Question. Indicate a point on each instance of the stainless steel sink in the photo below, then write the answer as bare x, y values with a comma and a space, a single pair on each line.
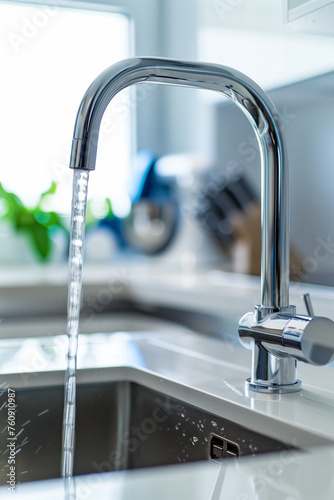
146, 399
121, 425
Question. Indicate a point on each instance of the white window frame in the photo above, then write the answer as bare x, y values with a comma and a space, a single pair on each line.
158, 29
145, 35
308, 6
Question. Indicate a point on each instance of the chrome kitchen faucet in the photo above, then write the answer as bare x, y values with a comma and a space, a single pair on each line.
277, 336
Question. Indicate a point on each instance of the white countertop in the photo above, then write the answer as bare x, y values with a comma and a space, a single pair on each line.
275, 477
217, 370
213, 291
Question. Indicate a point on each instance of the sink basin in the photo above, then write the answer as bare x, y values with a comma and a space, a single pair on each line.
122, 425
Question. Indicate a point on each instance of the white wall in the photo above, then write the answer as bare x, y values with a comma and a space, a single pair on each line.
307, 110
252, 37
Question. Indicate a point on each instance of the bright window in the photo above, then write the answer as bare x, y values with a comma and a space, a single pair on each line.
50, 55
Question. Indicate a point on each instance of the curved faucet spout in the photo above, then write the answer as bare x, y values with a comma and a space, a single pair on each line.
261, 113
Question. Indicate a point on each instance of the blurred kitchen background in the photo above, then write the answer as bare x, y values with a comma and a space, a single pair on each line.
177, 182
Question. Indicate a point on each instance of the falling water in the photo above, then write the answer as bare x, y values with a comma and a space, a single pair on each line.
78, 219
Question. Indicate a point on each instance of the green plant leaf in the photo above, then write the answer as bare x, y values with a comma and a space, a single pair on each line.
41, 241
13, 203
51, 190
35, 222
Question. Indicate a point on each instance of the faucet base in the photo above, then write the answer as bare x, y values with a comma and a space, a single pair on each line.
272, 388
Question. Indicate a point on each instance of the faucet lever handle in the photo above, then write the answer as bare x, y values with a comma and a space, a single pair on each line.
308, 304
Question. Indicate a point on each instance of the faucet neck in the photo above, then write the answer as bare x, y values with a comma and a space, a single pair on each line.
262, 115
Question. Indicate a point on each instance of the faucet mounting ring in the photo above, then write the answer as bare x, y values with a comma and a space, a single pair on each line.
272, 389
